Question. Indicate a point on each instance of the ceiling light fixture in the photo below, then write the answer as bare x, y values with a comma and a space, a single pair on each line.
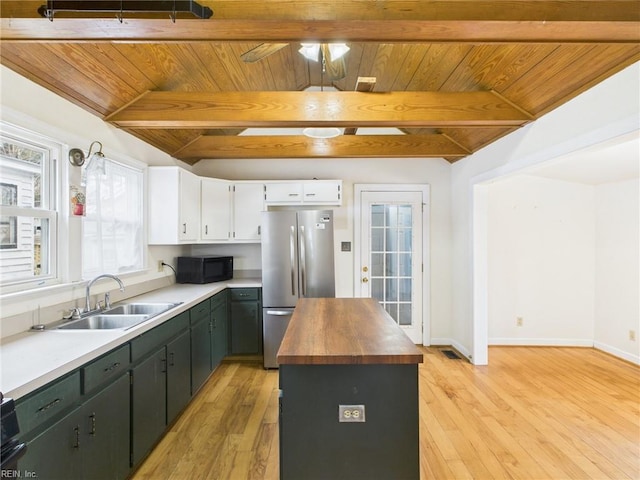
119, 7
321, 132
311, 51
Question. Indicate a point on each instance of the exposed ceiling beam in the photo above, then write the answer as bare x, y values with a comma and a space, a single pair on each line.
404, 31
292, 146
315, 109
549, 10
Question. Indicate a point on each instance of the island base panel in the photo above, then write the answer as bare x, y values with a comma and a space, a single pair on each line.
315, 445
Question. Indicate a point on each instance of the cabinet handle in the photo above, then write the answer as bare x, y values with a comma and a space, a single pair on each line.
294, 194
93, 423
206, 229
310, 194
171, 362
112, 367
164, 365
259, 229
77, 432
184, 228
49, 405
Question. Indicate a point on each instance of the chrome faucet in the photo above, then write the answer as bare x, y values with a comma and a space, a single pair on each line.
106, 295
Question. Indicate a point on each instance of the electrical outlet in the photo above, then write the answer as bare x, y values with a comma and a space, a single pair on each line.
632, 335
160, 266
519, 321
351, 413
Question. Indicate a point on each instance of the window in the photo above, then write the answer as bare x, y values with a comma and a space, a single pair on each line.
28, 208
113, 232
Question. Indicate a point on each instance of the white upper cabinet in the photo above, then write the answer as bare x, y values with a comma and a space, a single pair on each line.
215, 210
187, 209
311, 192
174, 206
248, 202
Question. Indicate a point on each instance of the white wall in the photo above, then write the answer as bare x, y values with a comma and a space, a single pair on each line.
617, 268
435, 172
608, 110
541, 257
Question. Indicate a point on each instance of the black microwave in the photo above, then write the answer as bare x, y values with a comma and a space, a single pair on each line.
204, 269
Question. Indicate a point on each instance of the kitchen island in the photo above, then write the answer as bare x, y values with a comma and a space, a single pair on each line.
349, 393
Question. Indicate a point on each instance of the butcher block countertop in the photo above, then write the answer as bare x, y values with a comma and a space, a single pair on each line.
344, 331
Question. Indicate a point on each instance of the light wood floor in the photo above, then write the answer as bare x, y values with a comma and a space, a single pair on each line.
533, 413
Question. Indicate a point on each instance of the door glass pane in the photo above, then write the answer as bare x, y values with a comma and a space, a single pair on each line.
404, 290
377, 239
377, 215
377, 265
391, 264
404, 316
404, 264
377, 289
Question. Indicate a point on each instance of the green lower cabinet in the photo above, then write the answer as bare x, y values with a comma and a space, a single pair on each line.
91, 442
219, 334
105, 432
55, 453
148, 403
178, 375
246, 321
200, 353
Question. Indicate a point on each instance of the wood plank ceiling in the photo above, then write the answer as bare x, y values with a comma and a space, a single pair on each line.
452, 75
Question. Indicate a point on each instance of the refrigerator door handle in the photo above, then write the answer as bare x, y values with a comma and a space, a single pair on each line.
292, 251
279, 313
303, 266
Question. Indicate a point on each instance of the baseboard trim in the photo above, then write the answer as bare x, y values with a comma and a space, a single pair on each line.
616, 352
541, 342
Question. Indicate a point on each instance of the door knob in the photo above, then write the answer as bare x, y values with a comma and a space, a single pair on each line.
365, 269
365, 280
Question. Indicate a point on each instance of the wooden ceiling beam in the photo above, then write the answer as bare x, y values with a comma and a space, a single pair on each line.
294, 146
400, 31
318, 109
549, 10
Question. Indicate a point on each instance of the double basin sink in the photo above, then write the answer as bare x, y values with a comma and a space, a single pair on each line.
123, 316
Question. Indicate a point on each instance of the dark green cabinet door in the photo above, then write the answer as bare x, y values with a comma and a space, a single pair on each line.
178, 375
220, 337
104, 433
55, 453
246, 328
148, 403
200, 353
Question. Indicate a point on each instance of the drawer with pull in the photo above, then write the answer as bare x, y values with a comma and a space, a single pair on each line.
105, 368
44, 404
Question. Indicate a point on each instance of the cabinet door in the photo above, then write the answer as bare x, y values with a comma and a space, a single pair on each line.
246, 328
178, 375
320, 193
104, 429
284, 193
189, 222
200, 353
220, 319
148, 403
215, 209
55, 453
248, 202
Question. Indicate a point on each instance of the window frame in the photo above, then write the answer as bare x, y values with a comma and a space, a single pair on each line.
49, 208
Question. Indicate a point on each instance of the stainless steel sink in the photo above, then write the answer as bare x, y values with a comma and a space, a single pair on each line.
102, 321
140, 308
125, 315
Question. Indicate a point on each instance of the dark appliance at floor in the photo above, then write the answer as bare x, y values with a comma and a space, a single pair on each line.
12, 448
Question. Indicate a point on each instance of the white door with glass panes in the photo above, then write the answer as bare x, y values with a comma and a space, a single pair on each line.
391, 253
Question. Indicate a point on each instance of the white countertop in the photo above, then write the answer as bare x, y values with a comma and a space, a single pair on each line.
32, 359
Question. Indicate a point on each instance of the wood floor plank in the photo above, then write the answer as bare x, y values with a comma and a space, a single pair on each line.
532, 413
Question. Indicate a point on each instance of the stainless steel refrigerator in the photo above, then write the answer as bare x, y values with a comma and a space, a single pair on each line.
297, 261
